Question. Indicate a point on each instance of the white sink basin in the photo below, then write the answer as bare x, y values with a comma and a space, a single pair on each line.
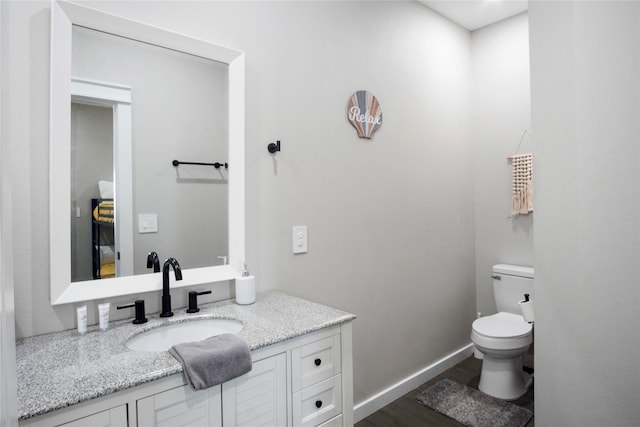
164, 337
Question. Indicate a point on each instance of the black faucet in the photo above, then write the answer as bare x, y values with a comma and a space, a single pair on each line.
153, 261
166, 297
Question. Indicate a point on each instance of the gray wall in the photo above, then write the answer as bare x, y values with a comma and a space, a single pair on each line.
8, 404
585, 63
501, 113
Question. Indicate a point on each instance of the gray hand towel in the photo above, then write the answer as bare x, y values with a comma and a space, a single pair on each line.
214, 360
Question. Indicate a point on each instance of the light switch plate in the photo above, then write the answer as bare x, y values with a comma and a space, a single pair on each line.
147, 223
300, 239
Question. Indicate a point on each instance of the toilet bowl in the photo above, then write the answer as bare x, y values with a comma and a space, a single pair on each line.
503, 338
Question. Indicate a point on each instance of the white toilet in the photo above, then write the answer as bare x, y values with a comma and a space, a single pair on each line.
503, 338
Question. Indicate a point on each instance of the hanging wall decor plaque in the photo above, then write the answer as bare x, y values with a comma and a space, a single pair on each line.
364, 113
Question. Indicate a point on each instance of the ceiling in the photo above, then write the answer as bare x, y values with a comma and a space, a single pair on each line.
474, 14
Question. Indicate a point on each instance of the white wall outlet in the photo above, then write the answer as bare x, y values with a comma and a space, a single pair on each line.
147, 223
300, 239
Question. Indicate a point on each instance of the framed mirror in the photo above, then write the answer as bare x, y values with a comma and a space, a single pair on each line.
129, 238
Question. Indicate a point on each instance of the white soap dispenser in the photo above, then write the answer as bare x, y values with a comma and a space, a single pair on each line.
245, 287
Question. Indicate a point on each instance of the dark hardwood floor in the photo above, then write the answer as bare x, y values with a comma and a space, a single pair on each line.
405, 411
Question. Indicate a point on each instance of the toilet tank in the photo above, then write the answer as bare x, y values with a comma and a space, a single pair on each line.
510, 283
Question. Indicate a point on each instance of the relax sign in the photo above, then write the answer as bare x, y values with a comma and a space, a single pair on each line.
364, 113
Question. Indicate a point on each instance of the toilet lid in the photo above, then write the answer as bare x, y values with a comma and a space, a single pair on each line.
502, 325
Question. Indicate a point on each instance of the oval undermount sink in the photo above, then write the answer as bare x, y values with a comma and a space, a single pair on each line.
164, 337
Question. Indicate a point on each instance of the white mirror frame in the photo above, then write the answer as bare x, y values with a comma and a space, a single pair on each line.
63, 291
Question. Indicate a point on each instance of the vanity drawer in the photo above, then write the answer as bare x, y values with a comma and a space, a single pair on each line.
315, 362
333, 422
319, 403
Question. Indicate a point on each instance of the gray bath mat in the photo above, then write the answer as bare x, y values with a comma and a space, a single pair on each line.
471, 407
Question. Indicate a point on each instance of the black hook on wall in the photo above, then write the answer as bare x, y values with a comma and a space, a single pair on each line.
273, 147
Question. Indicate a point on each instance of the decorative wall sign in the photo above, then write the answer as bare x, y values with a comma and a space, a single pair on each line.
364, 113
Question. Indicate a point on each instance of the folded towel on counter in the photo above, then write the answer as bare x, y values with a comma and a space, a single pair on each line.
214, 360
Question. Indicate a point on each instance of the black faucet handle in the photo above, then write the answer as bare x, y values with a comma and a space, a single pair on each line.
140, 315
193, 300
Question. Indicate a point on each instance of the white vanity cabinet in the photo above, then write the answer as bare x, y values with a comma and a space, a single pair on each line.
304, 381
181, 406
258, 398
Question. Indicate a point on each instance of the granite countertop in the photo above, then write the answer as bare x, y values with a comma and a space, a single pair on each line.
64, 368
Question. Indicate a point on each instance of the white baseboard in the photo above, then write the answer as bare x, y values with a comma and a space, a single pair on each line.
378, 401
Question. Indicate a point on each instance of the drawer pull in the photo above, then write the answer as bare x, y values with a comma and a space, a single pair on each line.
317, 362
318, 404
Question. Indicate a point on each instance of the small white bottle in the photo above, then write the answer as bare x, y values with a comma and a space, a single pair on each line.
82, 319
245, 287
103, 311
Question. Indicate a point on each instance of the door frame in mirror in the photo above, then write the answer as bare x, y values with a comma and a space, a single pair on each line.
63, 16
118, 98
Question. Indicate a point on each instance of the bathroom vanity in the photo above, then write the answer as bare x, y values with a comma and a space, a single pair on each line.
301, 376
301, 351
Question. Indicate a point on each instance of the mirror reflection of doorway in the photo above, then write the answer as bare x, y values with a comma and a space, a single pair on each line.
91, 179
100, 180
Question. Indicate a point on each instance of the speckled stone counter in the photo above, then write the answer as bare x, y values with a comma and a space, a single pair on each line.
64, 368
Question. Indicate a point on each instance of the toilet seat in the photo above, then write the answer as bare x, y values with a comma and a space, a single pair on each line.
502, 325
501, 331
